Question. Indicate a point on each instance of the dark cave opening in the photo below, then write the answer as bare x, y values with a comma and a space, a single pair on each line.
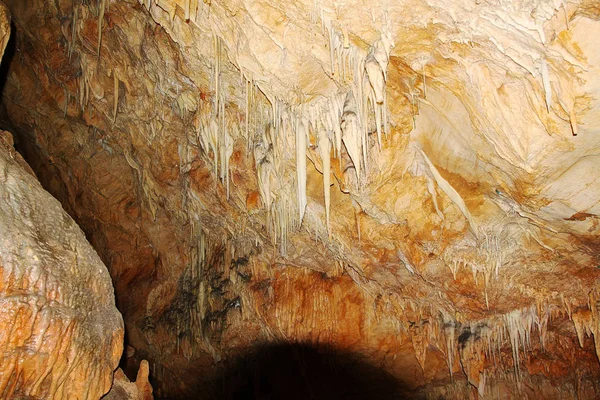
298, 371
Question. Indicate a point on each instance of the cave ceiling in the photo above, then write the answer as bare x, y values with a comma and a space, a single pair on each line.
372, 175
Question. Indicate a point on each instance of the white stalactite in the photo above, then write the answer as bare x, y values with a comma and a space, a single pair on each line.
376, 77
352, 133
301, 137
449, 190
325, 150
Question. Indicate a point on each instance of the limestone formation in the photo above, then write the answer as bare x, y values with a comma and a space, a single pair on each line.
412, 182
123, 389
61, 334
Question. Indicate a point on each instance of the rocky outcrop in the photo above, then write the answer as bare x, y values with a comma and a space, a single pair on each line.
123, 389
411, 182
62, 335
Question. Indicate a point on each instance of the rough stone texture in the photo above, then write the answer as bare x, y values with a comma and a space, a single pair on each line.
62, 335
464, 241
123, 389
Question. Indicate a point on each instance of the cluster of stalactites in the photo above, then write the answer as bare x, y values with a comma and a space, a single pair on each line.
280, 135
191, 8
88, 86
587, 322
273, 126
476, 345
322, 126
341, 119
469, 346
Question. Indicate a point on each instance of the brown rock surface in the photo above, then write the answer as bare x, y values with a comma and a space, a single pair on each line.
61, 333
123, 389
411, 182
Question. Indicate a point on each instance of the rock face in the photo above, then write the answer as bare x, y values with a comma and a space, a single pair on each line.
412, 182
61, 334
123, 389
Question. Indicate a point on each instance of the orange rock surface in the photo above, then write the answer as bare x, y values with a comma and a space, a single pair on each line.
411, 185
61, 335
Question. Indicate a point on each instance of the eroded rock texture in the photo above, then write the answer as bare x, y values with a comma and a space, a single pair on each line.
61, 335
412, 182
123, 389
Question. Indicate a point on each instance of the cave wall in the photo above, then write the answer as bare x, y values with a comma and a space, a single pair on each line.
61, 334
448, 237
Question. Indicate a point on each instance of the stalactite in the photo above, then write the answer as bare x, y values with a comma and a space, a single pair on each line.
449, 190
100, 20
346, 122
421, 333
573, 121
450, 332
368, 74
116, 95
586, 323
376, 77
301, 137
87, 75
357, 212
227, 151
325, 149
217, 73
518, 324
74, 27
376, 65
264, 166
351, 133
335, 114
213, 134
546, 83
186, 9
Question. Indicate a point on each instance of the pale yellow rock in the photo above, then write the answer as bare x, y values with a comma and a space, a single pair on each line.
457, 215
